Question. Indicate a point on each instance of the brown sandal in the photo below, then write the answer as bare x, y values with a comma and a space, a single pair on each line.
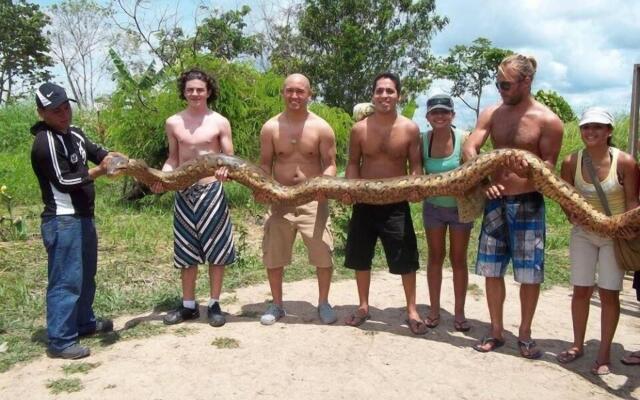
432, 322
417, 326
461, 326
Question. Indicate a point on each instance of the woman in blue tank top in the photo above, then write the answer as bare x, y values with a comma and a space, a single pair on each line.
441, 152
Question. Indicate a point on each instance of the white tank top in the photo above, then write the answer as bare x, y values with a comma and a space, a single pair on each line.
613, 190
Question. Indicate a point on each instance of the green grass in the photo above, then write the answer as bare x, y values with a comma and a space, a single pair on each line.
65, 385
225, 343
79, 368
184, 331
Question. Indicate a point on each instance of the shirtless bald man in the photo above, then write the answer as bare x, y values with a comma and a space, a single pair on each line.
201, 225
296, 145
513, 227
383, 145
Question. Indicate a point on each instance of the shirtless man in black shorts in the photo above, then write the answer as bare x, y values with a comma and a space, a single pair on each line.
380, 146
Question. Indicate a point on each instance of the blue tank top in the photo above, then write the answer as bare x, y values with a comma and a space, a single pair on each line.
435, 165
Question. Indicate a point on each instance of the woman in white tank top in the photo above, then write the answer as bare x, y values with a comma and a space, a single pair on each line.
617, 173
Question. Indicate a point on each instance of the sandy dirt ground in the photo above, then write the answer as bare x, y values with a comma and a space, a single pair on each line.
301, 358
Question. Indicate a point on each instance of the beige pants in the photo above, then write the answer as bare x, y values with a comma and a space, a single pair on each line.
280, 228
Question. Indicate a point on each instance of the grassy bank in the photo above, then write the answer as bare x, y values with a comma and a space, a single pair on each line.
135, 271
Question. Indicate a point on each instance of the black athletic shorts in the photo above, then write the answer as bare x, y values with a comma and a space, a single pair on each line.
393, 225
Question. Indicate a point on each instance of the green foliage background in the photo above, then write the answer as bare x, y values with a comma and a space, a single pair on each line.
556, 103
134, 116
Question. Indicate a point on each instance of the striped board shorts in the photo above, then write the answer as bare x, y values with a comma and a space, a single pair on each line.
201, 226
513, 228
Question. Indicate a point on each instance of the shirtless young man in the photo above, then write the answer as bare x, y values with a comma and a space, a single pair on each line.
202, 228
296, 145
380, 146
513, 226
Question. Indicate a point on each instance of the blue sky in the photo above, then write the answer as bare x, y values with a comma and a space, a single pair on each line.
585, 48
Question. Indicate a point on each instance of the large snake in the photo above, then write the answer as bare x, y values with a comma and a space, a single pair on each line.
465, 183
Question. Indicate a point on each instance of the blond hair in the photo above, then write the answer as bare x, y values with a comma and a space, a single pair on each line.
524, 65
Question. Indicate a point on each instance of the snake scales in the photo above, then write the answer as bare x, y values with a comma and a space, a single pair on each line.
464, 182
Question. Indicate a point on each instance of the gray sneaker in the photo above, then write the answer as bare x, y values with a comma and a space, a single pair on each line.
326, 313
72, 352
273, 313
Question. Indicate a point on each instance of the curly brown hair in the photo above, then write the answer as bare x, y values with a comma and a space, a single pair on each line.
194, 73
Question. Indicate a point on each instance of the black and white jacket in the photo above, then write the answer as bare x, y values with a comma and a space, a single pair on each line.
59, 161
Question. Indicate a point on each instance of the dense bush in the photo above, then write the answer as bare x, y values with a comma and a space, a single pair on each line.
556, 103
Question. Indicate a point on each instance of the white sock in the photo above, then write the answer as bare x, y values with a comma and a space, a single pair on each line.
212, 301
189, 304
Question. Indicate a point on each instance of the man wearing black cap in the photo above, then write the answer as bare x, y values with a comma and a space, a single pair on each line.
59, 159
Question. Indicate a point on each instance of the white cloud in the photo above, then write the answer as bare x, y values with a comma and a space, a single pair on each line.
585, 48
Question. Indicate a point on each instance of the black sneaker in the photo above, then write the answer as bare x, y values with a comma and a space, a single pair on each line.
181, 314
102, 326
73, 352
215, 316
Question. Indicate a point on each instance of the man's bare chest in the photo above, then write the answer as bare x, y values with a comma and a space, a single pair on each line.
515, 133
385, 143
198, 135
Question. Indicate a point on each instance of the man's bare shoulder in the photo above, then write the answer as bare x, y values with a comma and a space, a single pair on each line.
217, 117
318, 122
490, 111
272, 124
360, 126
175, 119
545, 113
406, 122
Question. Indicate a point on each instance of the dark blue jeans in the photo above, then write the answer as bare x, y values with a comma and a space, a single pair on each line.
72, 247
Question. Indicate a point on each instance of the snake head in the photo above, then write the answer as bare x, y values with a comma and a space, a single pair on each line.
362, 110
117, 166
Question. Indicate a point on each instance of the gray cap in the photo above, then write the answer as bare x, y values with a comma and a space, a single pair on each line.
443, 101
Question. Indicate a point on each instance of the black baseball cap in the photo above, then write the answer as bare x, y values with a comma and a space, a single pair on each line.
49, 95
443, 101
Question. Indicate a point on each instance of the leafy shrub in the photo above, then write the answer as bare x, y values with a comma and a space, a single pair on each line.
556, 103
135, 113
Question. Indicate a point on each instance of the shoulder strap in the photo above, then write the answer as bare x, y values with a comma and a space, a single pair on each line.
596, 182
430, 140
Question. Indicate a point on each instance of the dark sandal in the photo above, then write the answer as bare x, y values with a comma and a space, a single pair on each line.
631, 359
416, 326
568, 356
432, 322
357, 318
461, 326
529, 349
488, 340
601, 369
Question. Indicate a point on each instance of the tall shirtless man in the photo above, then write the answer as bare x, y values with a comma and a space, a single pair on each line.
381, 146
296, 145
202, 228
513, 226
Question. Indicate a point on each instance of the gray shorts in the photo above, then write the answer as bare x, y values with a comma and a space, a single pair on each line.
434, 217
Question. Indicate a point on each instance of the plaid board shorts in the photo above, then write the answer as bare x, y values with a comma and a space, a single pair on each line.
513, 228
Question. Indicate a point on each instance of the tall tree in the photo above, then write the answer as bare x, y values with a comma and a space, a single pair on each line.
158, 31
222, 34
80, 34
343, 44
23, 47
471, 68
